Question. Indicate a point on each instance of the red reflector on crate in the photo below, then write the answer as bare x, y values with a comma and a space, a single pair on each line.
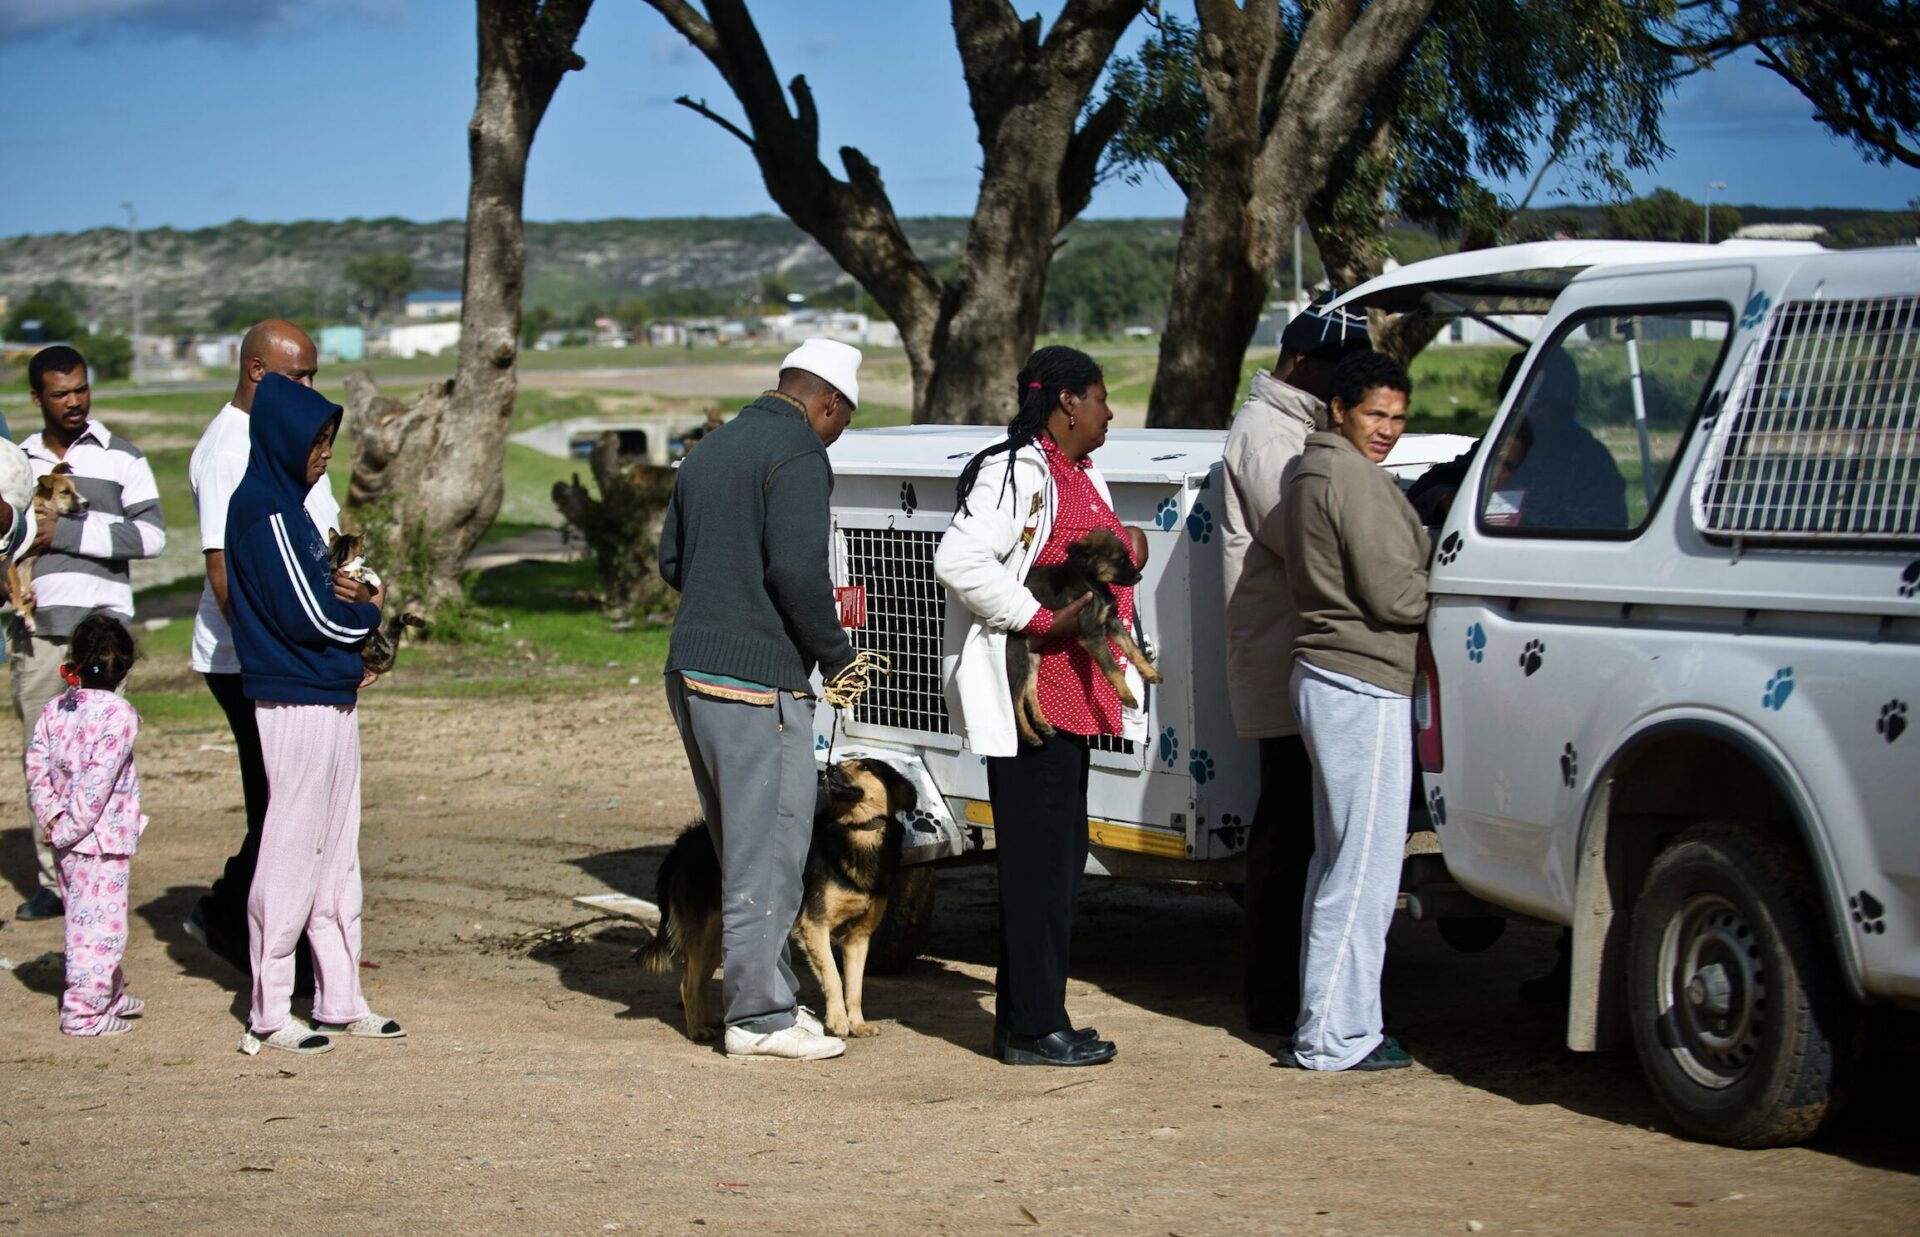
852, 601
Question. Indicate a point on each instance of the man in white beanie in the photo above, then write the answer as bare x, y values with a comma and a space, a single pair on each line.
745, 542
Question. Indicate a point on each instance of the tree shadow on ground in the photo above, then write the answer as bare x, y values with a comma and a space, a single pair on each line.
166, 915
18, 864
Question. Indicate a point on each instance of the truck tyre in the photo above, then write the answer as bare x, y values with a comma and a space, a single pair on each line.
1470, 936
909, 916
1740, 1016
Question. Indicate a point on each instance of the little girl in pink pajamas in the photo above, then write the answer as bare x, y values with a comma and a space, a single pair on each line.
85, 797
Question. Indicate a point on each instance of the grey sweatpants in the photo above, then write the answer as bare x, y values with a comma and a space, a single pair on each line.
753, 768
1361, 740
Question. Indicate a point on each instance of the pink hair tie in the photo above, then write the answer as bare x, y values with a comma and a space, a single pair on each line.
1035, 386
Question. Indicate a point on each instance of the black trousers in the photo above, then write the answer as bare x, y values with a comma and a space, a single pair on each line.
1040, 838
1279, 848
225, 906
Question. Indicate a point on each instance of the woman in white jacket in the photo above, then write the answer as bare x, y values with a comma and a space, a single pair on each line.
1022, 502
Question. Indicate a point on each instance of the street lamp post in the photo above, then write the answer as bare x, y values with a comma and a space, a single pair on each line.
1706, 208
133, 281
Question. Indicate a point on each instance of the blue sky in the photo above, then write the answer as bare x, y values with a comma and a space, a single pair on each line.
201, 111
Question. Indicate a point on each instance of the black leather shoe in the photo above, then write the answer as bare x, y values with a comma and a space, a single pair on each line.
44, 904
1056, 1049
1077, 1035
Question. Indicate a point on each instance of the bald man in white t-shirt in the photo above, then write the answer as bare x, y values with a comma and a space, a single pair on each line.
219, 920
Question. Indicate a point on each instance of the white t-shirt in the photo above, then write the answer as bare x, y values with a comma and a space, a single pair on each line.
219, 464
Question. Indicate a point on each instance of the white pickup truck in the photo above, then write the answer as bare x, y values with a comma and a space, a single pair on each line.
1672, 670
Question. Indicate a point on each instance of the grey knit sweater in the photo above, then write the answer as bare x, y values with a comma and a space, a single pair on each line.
745, 543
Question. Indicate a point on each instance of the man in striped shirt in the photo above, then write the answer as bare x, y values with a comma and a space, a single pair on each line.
83, 558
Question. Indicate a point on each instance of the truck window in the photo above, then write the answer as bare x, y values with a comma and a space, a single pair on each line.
1602, 416
1818, 438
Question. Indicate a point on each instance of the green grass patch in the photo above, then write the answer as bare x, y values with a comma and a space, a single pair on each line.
180, 710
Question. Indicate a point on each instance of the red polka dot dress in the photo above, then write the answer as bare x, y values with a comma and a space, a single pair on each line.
1074, 695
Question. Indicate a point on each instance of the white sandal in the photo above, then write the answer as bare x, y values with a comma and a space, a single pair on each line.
290, 1038
369, 1026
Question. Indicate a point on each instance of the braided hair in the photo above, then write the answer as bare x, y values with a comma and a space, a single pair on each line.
102, 652
1047, 373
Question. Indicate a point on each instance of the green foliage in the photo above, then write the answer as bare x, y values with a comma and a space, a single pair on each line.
108, 356
1856, 61
57, 321
1664, 215
534, 323
381, 280
1107, 283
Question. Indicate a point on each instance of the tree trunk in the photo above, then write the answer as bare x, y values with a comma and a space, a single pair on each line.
964, 341
621, 526
437, 462
1255, 182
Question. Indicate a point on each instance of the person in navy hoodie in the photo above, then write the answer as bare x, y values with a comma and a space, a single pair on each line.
298, 630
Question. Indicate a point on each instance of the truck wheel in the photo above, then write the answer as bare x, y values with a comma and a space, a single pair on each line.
1740, 1017
909, 916
1470, 936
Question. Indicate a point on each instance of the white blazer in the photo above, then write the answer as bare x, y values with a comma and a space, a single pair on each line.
983, 560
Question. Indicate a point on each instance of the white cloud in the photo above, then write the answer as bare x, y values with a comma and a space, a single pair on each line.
107, 20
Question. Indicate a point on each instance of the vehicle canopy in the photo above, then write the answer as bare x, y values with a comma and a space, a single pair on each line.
1526, 279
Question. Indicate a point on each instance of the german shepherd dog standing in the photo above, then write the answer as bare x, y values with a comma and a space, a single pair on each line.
851, 866
1094, 564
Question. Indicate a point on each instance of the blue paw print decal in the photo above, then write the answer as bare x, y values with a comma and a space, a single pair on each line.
1200, 524
1169, 748
1201, 766
1476, 643
1779, 687
1757, 306
819, 743
1166, 516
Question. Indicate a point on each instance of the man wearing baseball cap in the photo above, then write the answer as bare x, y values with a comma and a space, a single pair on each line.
1269, 433
745, 542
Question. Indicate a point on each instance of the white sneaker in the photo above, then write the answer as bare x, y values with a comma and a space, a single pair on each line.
804, 1017
795, 1043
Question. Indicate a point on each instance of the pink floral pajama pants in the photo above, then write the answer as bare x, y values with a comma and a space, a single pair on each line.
94, 888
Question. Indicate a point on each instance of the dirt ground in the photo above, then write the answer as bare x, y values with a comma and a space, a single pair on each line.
550, 1089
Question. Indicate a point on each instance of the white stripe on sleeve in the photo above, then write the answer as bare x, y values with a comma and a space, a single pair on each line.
304, 591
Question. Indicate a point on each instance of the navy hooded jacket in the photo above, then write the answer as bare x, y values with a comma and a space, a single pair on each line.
298, 643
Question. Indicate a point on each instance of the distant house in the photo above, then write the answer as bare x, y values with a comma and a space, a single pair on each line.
217, 351
422, 339
433, 304
343, 343
666, 334
848, 328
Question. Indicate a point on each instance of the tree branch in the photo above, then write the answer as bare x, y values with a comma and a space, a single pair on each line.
701, 107
1080, 171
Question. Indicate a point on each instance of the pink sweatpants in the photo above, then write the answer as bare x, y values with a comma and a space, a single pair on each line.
94, 887
308, 876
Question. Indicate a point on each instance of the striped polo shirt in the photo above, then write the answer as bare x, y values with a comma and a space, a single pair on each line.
85, 569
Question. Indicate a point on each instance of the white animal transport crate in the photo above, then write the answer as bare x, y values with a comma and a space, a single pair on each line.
1176, 807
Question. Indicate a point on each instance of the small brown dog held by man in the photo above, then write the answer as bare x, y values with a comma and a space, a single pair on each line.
745, 543
851, 864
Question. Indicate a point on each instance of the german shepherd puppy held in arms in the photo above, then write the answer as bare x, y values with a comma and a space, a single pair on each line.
347, 552
851, 866
1094, 564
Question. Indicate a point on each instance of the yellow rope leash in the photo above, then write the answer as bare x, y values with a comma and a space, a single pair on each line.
843, 689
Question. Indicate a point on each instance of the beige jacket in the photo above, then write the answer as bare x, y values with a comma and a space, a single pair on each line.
1267, 436
1357, 559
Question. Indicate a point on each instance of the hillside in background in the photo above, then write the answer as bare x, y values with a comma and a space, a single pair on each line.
1109, 272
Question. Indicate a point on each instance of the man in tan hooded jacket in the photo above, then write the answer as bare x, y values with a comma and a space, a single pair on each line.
1268, 435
